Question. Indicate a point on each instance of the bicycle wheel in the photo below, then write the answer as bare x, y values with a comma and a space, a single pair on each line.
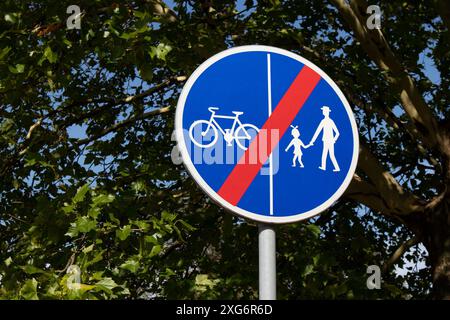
245, 134
200, 137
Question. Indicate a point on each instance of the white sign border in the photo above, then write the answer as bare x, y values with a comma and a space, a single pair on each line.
202, 183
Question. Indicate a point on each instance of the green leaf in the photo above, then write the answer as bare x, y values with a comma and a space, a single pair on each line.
29, 290
94, 212
98, 257
4, 52
72, 232
138, 186
68, 208
308, 270
50, 55
168, 216
203, 283
29, 269
146, 73
203, 280
102, 199
160, 51
113, 218
315, 230
19, 68
139, 14
123, 232
83, 224
88, 248
143, 225
155, 250
29, 162
81, 193
151, 239
130, 265
8, 261
168, 273
106, 285
85, 287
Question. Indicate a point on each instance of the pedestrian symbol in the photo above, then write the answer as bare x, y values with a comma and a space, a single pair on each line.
298, 145
240, 108
329, 138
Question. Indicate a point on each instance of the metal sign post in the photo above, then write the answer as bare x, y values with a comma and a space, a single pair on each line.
267, 262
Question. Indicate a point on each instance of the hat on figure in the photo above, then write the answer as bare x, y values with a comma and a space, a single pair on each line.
325, 108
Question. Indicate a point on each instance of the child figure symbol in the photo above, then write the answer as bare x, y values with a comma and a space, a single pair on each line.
298, 145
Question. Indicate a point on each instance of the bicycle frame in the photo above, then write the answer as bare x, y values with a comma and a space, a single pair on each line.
212, 121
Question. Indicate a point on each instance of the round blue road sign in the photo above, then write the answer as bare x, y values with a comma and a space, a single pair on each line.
266, 134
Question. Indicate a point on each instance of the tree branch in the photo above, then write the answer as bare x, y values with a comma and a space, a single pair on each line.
399, 252
24, 147
383, 193
367, 194
153, 89
376, 46
27, 141
122, 124
390, 119
161, 9
399, 201
128, 99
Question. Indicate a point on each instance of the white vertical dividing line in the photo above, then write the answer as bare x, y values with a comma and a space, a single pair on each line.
269, 98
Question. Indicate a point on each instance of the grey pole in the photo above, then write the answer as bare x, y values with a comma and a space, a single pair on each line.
267, 266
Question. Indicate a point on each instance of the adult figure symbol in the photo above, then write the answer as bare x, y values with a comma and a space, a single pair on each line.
329, 138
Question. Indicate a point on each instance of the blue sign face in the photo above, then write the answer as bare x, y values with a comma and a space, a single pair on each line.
266, 134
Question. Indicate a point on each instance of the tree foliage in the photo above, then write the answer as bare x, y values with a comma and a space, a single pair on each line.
87, 178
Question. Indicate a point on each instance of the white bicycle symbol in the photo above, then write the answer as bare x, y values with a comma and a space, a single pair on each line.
240, 134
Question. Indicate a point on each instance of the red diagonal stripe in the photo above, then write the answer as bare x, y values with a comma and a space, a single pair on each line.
293, 100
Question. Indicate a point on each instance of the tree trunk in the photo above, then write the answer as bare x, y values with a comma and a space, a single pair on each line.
437, 242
